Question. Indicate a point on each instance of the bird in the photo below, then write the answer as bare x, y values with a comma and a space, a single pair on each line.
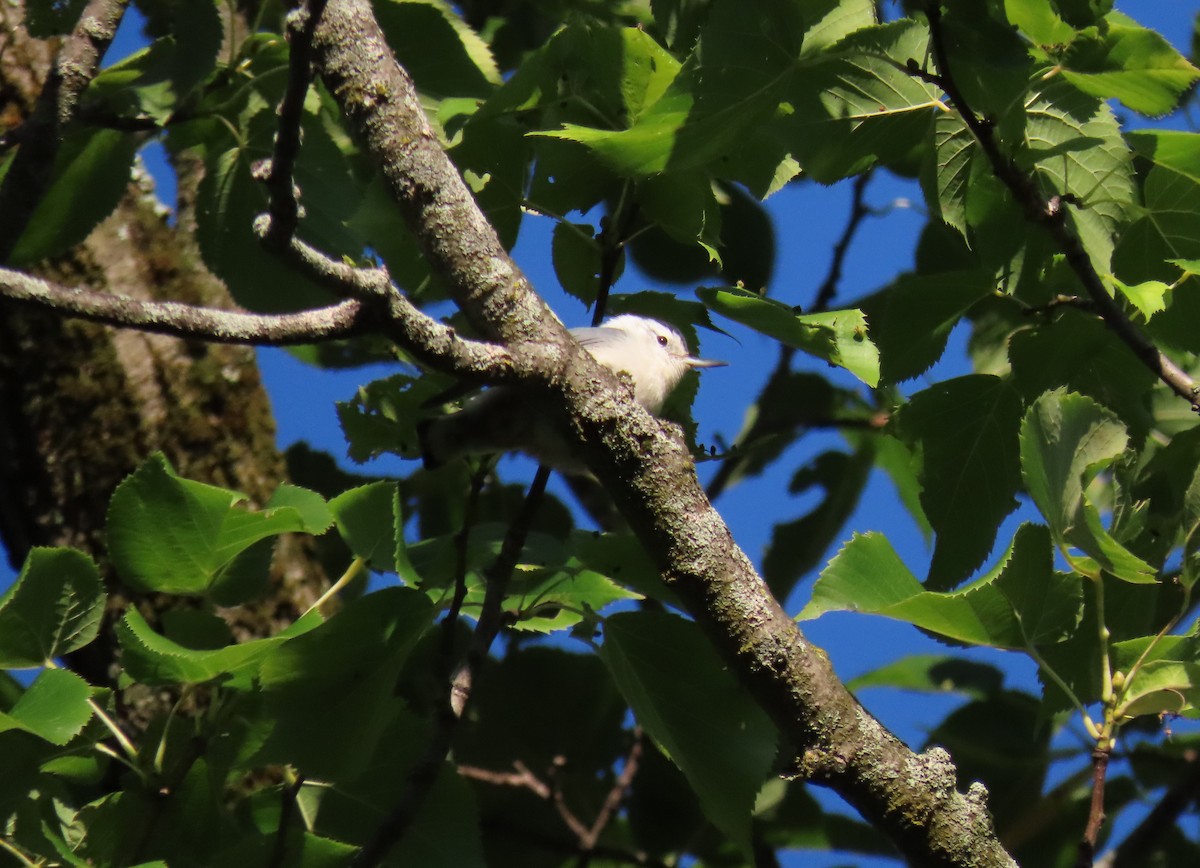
510, 419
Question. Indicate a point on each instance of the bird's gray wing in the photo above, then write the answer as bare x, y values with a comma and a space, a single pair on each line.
598, 336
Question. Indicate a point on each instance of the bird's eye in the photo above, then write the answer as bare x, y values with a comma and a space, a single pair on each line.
662, 340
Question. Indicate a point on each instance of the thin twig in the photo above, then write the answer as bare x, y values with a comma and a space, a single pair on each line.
284, 206
40, 136
858, 211
287, 811
616, 794
1051, 214
462, 543
587, 836
522, 778
1087, 846
429, 341
424, 774
612, 242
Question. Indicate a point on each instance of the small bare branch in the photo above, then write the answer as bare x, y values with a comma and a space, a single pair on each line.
1087, 846
522, 778
285, 208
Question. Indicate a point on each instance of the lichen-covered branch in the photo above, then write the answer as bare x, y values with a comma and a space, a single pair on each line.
911, 797
345, 319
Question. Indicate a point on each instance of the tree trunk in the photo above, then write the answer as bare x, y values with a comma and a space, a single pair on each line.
81, 405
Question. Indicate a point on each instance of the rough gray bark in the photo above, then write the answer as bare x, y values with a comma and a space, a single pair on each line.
911, 797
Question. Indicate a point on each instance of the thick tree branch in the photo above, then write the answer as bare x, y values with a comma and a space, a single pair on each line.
911, 797
1051, 214
345, 319
40, 136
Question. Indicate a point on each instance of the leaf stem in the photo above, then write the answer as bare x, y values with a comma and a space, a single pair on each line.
356, 566
1062, 685
4, 845
120, 736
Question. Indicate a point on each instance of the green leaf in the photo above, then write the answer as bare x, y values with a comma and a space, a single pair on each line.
855, 104
229, 199
689, 704
370, 520
949, 169
176, 536
558, 599
151, 658
731, 82
442, 53
1149, 297
335, 686
1066, 439
154, 82
53, 608
895, 459
382, 417
1021, 602
684, 206
576, 257
965, 434
1169, 230
797, 546
1130, 63
912, 319
1039, 20
1166, 681
839, 337
542, 703
91, 172
1077, 350
315, 515
933, 673
1074, 145
54, 707
621, 557
551, 589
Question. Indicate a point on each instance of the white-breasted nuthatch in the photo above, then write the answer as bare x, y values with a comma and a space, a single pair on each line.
508, 419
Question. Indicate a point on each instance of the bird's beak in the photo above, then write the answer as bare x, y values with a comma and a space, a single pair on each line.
693, 362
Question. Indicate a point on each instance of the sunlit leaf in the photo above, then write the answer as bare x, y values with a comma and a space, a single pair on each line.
1066, 439
54, 707
1127, 62
175, 535
1022, 602
53, 608
839, 337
